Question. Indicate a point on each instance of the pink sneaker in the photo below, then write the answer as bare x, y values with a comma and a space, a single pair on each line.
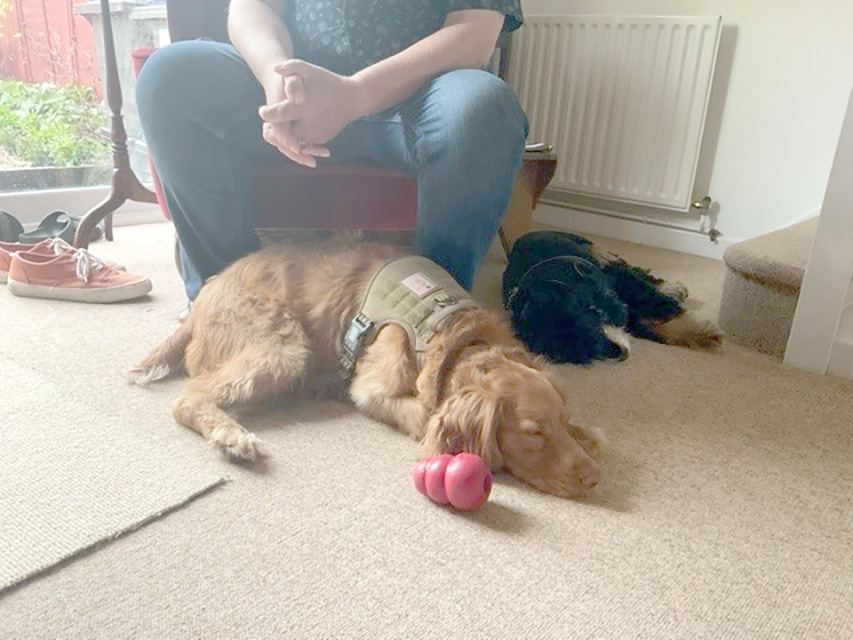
6, 251
50, 246
74, 275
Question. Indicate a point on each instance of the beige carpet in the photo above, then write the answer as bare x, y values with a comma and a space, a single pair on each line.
74, 476
724, 512
81, 464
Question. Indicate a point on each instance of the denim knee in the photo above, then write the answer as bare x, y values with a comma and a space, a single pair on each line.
162, 76
180, 78
480, 117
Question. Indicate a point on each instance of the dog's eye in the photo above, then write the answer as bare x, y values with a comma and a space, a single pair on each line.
529, 426
531, 431
532, 442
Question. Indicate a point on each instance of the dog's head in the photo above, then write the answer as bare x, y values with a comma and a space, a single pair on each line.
564, 309
513, 415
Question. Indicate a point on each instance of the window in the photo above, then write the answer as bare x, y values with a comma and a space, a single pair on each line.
54, 125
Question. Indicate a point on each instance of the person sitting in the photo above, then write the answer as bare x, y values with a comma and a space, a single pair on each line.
400, 83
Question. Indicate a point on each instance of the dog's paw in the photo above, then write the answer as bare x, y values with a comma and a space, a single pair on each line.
710, 336
620, 340
238, 444
677, 290
689, 331
143, 376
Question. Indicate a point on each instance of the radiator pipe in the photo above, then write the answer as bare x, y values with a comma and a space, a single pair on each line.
703, 206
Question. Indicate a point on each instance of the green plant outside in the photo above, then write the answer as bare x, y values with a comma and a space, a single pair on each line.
50, 126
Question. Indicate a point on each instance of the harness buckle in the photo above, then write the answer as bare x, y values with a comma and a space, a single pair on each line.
353, 342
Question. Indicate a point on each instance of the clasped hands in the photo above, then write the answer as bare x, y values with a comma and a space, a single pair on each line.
306, 107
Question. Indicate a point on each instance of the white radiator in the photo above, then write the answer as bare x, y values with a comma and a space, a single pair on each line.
622, 99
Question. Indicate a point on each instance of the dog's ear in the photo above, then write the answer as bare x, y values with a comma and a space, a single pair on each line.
466, 421
477, 326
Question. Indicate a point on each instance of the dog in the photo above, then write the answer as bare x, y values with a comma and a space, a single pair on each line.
573, 304
277, 319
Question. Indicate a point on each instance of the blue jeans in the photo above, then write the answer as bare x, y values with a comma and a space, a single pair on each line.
462, 135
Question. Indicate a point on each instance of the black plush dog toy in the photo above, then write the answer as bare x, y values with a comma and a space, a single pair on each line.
572, 304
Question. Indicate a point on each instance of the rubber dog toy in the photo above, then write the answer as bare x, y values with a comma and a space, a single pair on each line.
463, 480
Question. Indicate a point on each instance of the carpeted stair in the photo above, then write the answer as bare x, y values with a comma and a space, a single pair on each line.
762, 285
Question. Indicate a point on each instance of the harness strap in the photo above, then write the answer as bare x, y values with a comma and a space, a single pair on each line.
412, 292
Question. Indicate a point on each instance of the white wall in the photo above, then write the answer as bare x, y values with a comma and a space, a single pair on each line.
784, 75
821, 337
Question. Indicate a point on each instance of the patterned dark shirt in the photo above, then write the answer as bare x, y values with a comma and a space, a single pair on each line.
348, 35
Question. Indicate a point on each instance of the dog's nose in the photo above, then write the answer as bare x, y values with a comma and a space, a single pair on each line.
588, 476
616, 350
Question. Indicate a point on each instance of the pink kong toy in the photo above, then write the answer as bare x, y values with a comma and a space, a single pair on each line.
463, 481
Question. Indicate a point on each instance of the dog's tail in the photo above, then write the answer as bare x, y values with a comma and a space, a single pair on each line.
164, 360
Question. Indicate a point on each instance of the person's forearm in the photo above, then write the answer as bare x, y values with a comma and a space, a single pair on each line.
258, 32
466, 40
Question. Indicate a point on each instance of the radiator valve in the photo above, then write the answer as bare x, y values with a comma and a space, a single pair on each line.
703, 206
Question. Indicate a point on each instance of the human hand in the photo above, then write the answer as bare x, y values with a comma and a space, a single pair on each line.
318, 106
289, 90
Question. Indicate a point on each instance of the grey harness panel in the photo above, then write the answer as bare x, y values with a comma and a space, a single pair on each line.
412, 292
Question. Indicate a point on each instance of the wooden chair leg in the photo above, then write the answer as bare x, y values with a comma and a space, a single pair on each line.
504, 241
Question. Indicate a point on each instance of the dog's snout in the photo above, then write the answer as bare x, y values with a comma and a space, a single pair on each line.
587, 476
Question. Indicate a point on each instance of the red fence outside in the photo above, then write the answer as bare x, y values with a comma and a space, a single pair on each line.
43, 41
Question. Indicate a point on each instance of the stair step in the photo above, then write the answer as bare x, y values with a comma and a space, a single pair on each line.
762, 285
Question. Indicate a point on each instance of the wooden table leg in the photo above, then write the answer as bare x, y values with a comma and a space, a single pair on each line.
125, 185
519, 214
535, 174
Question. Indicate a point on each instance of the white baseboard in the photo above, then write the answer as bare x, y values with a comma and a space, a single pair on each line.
641, 233
805, 216
128, 218
841, 360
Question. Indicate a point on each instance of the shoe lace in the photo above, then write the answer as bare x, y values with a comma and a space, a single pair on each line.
59, 246
87, 263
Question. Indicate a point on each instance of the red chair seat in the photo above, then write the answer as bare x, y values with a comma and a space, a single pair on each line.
345, 196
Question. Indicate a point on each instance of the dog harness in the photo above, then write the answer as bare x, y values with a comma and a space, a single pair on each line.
412, 292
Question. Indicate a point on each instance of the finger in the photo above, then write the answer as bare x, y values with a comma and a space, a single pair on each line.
291, 130
284, 136
294, 89
317, 147
302, 158
285, 111
289, 139
294, 66
317, 151
283, 141
297, 157
280, 136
